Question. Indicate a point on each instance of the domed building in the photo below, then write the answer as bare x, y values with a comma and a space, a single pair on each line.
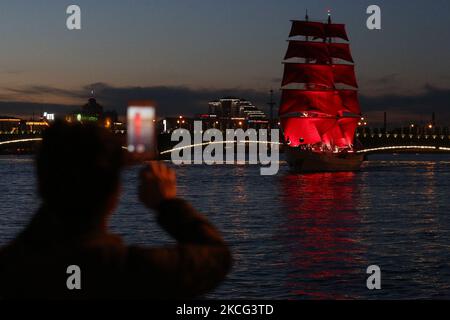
92, 111
92, 108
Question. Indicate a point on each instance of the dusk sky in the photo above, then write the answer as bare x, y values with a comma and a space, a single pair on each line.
184, 53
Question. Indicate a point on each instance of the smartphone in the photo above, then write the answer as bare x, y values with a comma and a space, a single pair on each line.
141, 130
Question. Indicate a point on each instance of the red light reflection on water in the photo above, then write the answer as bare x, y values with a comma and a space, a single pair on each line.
322, 234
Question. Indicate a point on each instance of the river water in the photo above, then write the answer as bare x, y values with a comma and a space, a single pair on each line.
296, 236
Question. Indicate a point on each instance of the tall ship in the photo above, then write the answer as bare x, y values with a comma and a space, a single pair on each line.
319, 110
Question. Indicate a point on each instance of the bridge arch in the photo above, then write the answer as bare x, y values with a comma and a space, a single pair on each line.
405, 149
218, 142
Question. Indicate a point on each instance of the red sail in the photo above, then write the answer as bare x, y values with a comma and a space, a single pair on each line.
307, 29
350, 100
327, 102
325, 125
348, 127
302, 111
300, 131
345, 73
308, 50
335, 137
340, 51
334, 30
308, 73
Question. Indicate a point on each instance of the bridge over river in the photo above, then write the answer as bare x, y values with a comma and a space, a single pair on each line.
371, 143
403, 143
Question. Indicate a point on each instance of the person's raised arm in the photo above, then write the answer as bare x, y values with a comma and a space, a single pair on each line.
201, 259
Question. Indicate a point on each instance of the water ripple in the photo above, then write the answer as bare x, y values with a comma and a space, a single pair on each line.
296, 237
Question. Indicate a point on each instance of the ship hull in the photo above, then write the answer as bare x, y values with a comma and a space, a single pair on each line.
303, 161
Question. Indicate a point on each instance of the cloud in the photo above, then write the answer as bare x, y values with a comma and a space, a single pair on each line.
381, 85
171, 100
175, 100
277, 80
40, 91
26, 109
11, 71
386, 80
411, 107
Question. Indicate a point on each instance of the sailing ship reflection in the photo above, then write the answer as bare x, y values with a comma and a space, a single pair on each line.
322, 234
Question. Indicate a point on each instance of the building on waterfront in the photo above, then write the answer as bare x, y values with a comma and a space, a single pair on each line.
12, 125
168, 124
226, 113
232, 113
234, 108
93, 112
89, 112
9, 124
33, 127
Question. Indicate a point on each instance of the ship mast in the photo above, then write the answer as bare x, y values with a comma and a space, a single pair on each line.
320, 113
271, 105
307, 60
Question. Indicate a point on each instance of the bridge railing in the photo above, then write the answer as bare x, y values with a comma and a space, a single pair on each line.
394, 139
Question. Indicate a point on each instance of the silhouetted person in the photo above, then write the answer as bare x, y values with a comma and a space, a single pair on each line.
78, 170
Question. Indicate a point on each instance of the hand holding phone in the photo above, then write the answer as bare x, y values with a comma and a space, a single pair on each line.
141, 130
157, 184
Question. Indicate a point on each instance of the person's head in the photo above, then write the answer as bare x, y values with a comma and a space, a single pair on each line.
78, 169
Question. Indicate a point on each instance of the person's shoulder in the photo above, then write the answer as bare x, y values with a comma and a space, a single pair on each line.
140, 255
106, 247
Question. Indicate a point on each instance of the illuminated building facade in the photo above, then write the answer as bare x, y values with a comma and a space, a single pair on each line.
12, 125
9, 124
229, 113
226, 113
92, 111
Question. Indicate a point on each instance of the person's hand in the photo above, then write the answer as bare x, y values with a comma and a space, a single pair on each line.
157, 184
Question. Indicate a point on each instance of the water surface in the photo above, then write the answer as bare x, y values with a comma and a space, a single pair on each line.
297, 236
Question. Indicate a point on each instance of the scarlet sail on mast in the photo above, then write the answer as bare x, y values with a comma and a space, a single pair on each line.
316, 107
318, 50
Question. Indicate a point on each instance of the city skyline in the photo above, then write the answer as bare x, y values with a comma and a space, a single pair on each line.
185, 54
